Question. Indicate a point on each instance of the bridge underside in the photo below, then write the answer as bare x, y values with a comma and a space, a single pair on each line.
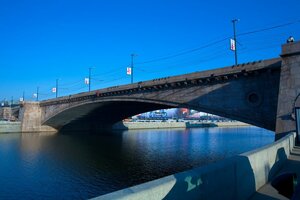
99, 116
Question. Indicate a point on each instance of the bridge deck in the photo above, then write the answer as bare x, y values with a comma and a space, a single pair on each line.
201, 77
268, 192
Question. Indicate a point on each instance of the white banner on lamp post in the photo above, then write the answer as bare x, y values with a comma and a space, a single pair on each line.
128, 72
232, 44
87, 81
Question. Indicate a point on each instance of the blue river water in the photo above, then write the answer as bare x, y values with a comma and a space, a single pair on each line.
82, 166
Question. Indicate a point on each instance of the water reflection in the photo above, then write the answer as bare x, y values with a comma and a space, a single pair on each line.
39, 166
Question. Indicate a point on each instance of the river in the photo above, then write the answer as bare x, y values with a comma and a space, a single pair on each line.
82, 166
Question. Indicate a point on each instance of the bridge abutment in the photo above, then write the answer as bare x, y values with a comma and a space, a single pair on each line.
30, 116
289, 89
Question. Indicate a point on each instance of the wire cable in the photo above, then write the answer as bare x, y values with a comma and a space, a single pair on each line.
218, 41
185, 52
269, 28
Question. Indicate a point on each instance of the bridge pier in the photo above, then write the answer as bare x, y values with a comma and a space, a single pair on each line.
289, 89
30, 116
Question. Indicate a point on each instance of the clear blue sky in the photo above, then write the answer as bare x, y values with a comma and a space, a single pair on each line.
42, 40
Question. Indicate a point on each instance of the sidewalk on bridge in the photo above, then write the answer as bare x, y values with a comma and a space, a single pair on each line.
268, 192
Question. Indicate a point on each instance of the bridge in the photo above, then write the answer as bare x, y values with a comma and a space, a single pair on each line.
262, 93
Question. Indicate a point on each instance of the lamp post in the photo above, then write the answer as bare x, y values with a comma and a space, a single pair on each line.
37, 94
56, 93
132, 56
90, 81
234, 38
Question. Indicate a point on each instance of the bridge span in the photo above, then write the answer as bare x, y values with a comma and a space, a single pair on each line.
263, 93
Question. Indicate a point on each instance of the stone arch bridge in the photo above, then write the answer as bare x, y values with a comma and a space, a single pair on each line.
261, 93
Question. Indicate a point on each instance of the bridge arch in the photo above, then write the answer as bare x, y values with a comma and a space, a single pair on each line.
100, 114
103, 113
246, 93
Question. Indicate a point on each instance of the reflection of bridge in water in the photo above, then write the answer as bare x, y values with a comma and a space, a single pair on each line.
261, 93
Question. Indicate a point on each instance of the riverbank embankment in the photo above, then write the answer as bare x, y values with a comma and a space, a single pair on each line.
14, 127
172, 124
10, 127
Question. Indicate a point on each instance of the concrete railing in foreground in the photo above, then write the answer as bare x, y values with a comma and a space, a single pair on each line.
234, 178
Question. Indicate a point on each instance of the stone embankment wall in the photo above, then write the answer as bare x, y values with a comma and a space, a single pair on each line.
165, 125
148, 125
236, 178
231, 124
10, 127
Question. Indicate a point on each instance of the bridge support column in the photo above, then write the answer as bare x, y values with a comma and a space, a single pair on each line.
289, 89
30, 116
